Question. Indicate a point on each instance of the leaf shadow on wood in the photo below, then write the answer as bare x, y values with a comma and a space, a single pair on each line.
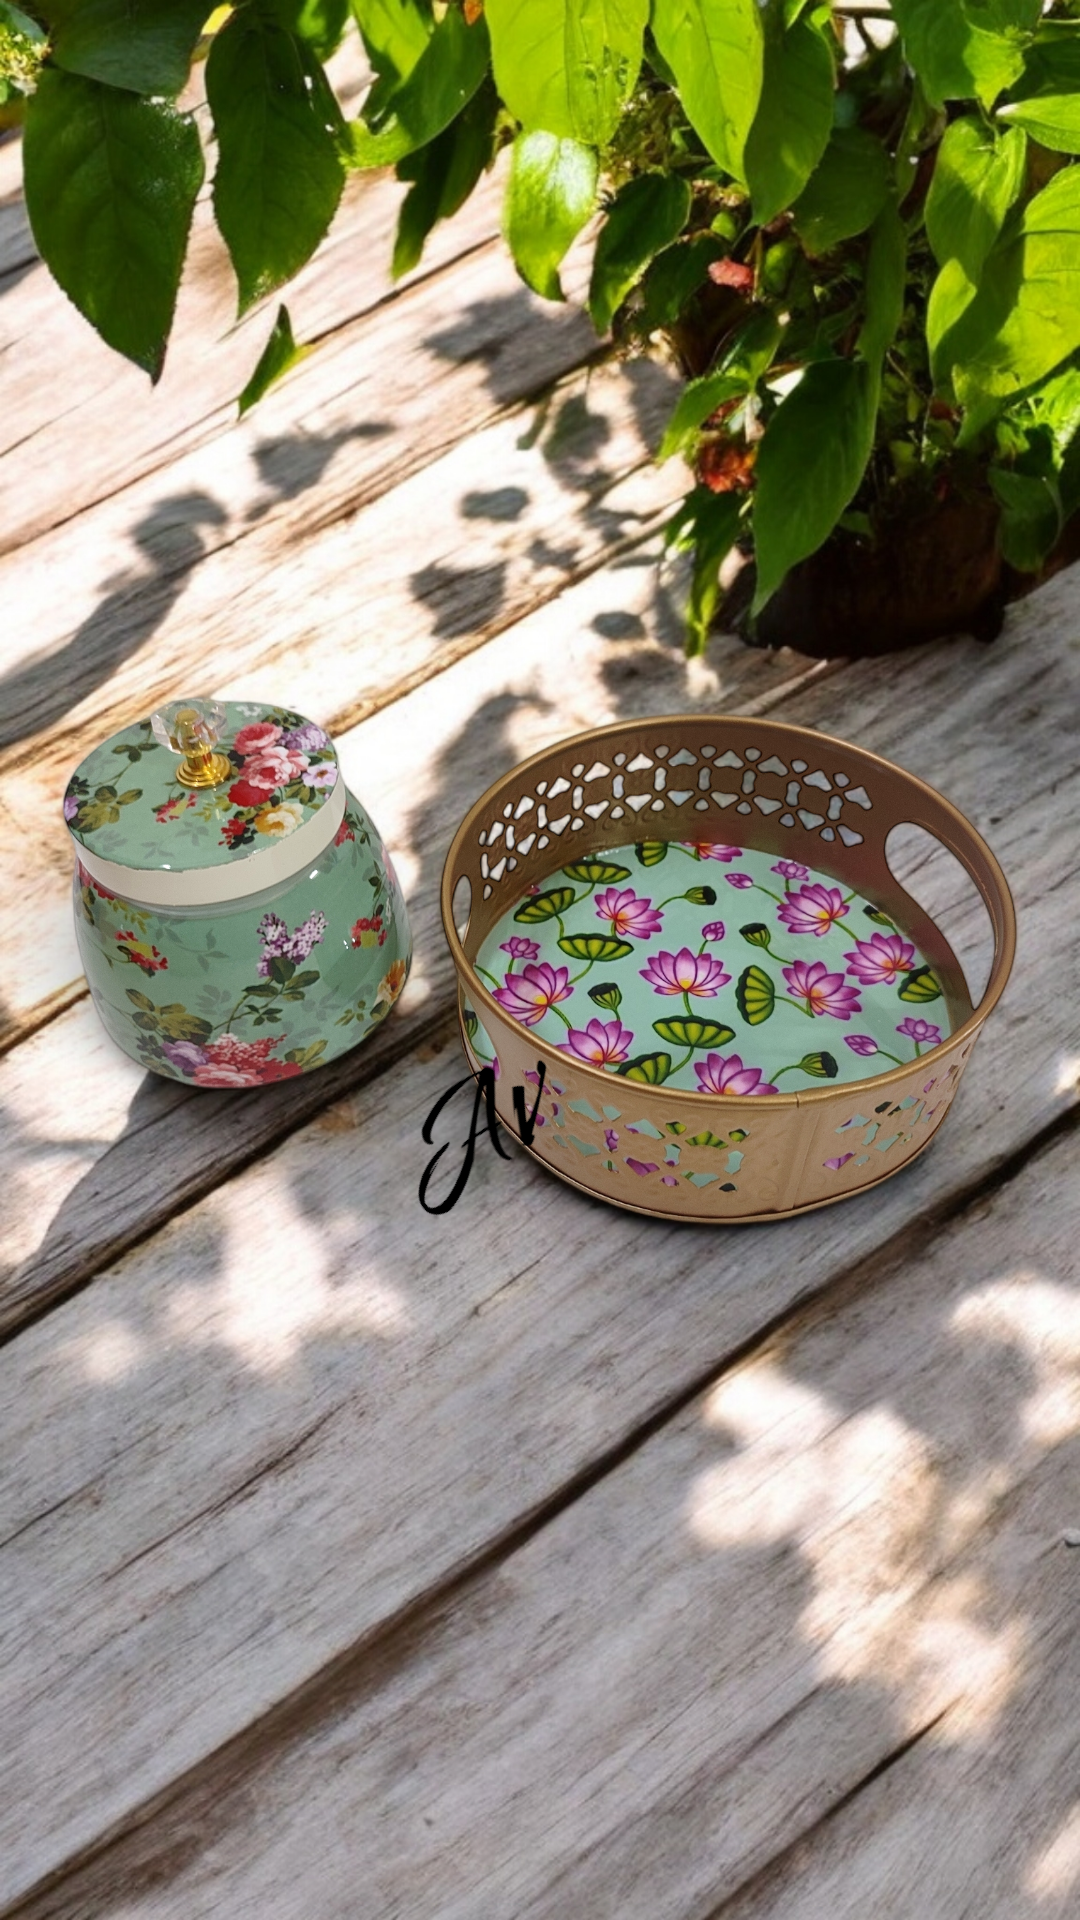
481, 333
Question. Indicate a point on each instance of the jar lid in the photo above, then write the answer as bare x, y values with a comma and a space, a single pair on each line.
205, 801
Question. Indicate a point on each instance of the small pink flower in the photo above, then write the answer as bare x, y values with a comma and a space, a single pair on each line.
528, 995
344, 833
611, 1139
519, 948
921, 1031
791, 870
685, 972
322, 777
255, 738
717, 1075
642, 1166
712, 850
840, 1161
714, 930
739, 879
627, 914
881, 959
273, 767
824, 992
812, 909
602, 1044
861, 1043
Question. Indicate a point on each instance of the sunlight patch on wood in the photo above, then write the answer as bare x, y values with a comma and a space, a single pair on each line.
1041, 1321
1056, 1871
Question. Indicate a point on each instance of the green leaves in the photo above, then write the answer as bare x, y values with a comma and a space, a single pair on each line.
646, 215
1024, 318
110, 184
794, 119
716, 54
607, 995
279, 354
545, 906
398, 118
812, 457
694, 1033
954, 55
145, 45
550, 195
755, 996
757, 934
566, 66
710, 522
595, 873
279, 173
977, 176
651, 1069
651, 852
920, 986
1046, 99
443, 174
846, 191
1031, 515
594, 946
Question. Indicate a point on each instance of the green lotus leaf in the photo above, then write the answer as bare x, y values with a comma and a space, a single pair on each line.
676, 1126
607, 995
694, 1033
757, 934
545, 906
651, 852
738, 1135
882, 919
652, 1068
595, 946
706, 1139
755, 996
471, 1022
919, 986
701, 896
821, 1065
593, 872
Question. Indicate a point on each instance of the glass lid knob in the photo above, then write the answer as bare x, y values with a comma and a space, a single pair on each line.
192, 728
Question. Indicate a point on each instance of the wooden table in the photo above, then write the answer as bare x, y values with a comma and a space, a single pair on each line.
536, 1562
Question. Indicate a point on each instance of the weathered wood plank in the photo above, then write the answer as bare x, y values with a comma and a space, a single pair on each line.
846, 1541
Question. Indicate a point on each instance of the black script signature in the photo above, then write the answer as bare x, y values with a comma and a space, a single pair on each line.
484, 1083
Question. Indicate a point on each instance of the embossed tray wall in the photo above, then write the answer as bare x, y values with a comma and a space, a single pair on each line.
787, 791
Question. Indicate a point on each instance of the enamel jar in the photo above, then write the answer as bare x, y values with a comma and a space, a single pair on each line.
238, 918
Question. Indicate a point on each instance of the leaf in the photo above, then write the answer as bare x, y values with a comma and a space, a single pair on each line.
794, 119
143, 45
279, 173
882, 919
757, 934
443, 174
955, 57
320, 22
607, 995
920, 986
716, 54
446, 75
395, 34
755, 996
110, 185
651, 852
281, 968
178, 1024
567, 67
675, 276
846, 191
593, 872
812, 457
1031, 516
750, 355
550, 195
545, 906
1046, 99
595, 946
694, 1033
821, 1066
1024, 319
645, 216
950, 297
977, 176
138, 999
884, 285
279, 354
650, 1068
717, 519
306, 979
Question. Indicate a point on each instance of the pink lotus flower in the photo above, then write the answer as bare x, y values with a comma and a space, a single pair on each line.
791, 870
881, 959
528, 995
685, 972
714, 930
602, 1044
862, 1043
519, 948
739, 879
812, 910
824, 992
921, 1031
255, 739
717, 1075
712, 850
641, 1166
628, 915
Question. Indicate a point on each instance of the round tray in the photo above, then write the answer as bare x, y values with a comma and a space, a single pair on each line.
782, 790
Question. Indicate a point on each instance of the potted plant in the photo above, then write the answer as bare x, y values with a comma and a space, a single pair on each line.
854, 229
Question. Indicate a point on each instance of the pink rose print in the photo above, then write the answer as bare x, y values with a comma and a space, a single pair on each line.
717, 1075
881, 959
602, 1044
528, 995
243, 794
921, 1031
255, 738
712, 850
344, 833
738, 879
274, 767
812, 909
627, 915
823, 992
862, 1044
242, 1063
685, 972
714, 930
141, 953
519, 948
791, 870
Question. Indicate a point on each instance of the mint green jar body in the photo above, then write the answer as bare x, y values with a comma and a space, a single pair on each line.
258, 989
